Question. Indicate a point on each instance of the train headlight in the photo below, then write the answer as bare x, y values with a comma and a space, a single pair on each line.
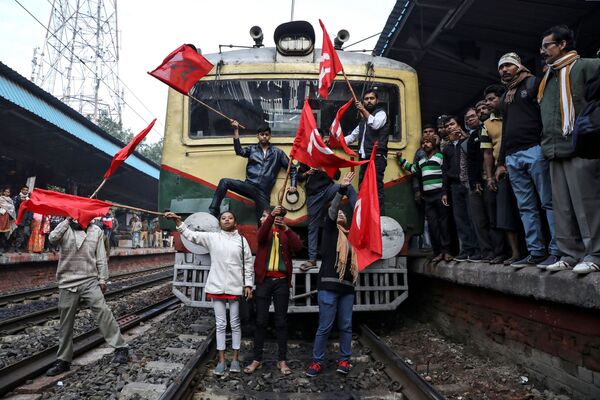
296, 38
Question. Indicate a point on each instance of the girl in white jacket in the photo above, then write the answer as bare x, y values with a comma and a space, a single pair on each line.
225, 282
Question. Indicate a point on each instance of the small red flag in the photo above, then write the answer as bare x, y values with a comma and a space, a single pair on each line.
330, 64
310, 148
126, 151
48, 202
365, 230
182, 69
336, 136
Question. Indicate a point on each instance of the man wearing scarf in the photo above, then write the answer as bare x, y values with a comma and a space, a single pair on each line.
337, 277
575, 181
521, 156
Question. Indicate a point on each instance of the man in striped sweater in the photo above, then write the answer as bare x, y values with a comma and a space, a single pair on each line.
430, 169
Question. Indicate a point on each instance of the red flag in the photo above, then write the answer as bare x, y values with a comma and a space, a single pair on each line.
310, 149
365, 230
126, 151
330, 64
49, 202
336, 136
182, 69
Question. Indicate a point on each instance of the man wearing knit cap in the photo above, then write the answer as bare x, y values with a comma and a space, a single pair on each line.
521, 157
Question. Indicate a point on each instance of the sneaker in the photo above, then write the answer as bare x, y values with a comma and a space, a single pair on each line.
235, 366
529, 261
559, 266
585, 267
58, 368
511, 260
552, 259
220, 369
343, 367
313, 369
475, 258
308, 265
121, 355
461, 257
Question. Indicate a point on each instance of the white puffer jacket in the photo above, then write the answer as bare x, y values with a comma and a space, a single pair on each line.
225, 276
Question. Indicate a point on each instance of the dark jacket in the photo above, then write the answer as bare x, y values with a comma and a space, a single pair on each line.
317, 182
451, 165
289, 243
474, 158
370, 136
262, 169
328, 277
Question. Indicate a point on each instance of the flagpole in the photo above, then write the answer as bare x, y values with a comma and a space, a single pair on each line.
133, 208
349, 86
98, 188
282, 190
215, 110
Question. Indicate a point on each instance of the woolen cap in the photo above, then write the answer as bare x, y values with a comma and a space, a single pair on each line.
510, 58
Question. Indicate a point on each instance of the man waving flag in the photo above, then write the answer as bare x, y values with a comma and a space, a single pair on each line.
336, 136
330, 64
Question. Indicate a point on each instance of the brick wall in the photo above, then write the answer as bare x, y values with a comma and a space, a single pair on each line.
558, 345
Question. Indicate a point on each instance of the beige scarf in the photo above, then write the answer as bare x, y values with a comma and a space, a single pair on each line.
562, 66
342, 248
511, 86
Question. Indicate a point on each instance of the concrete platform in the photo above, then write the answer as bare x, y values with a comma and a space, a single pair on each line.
16, 258
563, 287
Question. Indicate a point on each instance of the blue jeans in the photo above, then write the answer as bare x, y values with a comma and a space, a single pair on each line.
330, 304
316, 204
529, 176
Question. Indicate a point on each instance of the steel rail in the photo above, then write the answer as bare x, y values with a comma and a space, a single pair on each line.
15, 374
13, 325
411, 384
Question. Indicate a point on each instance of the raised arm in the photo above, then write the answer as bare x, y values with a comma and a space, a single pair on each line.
237, 146
57, 233
201, 238
334, 207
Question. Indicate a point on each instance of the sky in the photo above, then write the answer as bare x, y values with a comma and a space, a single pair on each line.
151, 29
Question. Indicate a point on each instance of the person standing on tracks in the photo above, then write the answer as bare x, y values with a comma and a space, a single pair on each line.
231, 276
373, 128
273, 271
264, 163
82, 274
337, 278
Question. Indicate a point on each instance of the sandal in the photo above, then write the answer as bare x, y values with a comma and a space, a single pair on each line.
252, 367
283, 367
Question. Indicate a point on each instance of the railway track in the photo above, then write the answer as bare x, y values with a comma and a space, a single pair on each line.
16, 374
14, 325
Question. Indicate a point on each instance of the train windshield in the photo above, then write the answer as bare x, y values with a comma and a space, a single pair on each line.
279, 103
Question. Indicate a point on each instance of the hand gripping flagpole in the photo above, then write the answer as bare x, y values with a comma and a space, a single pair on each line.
283, 190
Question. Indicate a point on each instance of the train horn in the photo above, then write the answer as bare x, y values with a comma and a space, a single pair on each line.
257, 35
341, 38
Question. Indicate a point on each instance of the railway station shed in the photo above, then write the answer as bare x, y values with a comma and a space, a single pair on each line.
455, 45
42, 137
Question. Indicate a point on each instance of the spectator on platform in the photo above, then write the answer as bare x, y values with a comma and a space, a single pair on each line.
575, 180
491, 239
521, 156
144, 234
442, 131
373, 127
482, 110
429, 170
456, 187
82, 274
107, 225
337, 277
273, 272
264, 163
500, 196
136, 227
21, 234
46, 229
320, 190
156, 234
231, 276
7, 217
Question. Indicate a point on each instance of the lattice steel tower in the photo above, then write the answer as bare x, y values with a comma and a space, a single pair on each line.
79, 61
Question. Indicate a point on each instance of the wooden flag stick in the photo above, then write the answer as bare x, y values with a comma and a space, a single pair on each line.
98, 189
287, 175
349, 86
134, 208
214, 109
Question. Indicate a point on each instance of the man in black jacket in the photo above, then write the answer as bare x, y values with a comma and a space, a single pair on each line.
264, 163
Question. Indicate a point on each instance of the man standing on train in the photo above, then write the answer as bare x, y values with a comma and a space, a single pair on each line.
264, 163
372, 128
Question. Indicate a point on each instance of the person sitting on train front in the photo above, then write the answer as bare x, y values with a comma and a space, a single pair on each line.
373, 128
273, 271
227, 280
264, 163
337, 277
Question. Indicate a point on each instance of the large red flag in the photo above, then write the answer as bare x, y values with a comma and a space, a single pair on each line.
49, 202
336, 136
365, 230
182, 68
310, 148
126, 151
330, 64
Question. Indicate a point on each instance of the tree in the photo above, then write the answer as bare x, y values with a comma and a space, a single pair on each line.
152, 150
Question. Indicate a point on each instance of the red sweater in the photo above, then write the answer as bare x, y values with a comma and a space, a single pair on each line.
289, 242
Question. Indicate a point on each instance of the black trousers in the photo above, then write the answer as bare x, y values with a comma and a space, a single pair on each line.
278, 291
244, 188
437, 219
380, 164
483, 215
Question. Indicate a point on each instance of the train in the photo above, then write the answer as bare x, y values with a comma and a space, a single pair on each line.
258, 84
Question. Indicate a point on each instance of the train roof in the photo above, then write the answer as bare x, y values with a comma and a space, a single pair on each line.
268, 55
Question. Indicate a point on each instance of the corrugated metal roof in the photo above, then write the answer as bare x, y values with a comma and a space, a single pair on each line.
23, 93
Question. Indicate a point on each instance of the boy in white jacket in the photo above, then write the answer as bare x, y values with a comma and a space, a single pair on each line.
225, 282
